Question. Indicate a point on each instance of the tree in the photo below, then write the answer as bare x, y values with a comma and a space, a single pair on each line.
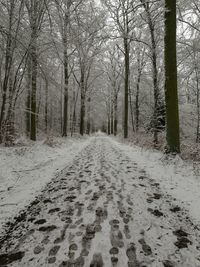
140, 66
151, 18
113, 68
189, 55
65, 10
36, 10
65, 32
88, 42
122, 13
13, 63
171, 94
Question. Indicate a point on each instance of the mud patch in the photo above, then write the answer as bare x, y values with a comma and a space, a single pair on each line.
79, 262
168, 263
53, 251
156, 212
48, 228
53, 210
175, 209
131, 254
182, 240
52, 260
9, 258
37, 250
114, 251
97, 261
41, 221
73, 247
146, 248
70, 198
157, 196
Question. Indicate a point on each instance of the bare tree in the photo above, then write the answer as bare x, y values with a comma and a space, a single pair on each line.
172, 114
36, 10
114, 72
88, 45
15, 63
122, 14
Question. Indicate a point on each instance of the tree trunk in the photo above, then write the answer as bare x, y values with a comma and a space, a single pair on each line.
141, 64
82, 111
112, 118
65, 115
10, 111
115, 114
154, 69
9, 121
137, 111
88, 117
108, 125
171, 95
198, 106
46, 105
131, 109
126, 86
73, 114
156, 93
33, 78
28, 99
155, 75
75, 97
66, 76
8, 65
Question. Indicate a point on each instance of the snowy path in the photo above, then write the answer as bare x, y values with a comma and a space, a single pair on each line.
103, 210
25, 170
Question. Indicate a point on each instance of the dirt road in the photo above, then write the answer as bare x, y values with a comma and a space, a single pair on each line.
102, 210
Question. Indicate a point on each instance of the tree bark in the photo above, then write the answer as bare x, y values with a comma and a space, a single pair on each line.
156, 90
8, 65
88, 116
108, 125
137, 111
34, 74
112, 118
66, 74
154, 69
171, 94
33, 93
131, 109
198, 106
65, 115
126, 86
82, 111
115, 114
155, 73
28, 99
46, 105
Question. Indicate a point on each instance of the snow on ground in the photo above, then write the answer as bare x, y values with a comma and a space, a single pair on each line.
111, 206
177, 177
25, 170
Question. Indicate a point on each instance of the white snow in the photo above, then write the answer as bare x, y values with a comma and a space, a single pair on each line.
119, 179
25, 170
178, 178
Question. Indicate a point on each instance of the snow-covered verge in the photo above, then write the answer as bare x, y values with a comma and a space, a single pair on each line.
25, 170
177, 177
190, 149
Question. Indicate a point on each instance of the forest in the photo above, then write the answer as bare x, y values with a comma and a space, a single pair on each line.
74, 66
99, 133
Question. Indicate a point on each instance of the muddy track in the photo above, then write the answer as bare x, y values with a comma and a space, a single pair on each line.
103, 210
